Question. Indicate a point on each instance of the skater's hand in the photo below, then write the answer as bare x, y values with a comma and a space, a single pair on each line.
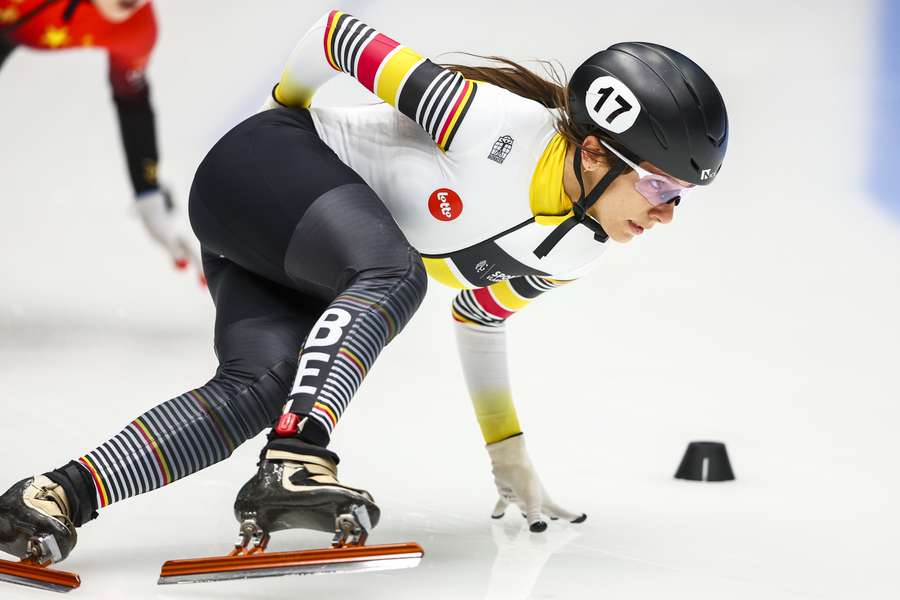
518, 483
157, 213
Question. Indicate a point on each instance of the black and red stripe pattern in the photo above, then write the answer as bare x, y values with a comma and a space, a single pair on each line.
434, 97
490, 306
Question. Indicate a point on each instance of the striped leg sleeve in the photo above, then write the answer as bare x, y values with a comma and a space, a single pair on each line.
347, 339
173, 440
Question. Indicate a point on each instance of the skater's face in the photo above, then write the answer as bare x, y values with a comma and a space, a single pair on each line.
622, 211
116, 11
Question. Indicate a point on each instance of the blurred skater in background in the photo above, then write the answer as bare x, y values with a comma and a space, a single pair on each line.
126, 29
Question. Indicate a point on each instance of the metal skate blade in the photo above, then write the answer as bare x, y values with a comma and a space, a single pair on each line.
32, 575
349, 559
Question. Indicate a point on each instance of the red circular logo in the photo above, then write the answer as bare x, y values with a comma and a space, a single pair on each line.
445, 204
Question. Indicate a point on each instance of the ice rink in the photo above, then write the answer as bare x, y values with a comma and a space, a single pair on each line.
766, 316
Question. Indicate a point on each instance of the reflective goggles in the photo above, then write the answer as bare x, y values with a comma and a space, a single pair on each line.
657, 189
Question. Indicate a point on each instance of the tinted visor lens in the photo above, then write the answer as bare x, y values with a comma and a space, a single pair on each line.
657, 189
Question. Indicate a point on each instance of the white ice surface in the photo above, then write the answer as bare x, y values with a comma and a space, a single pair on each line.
766, 317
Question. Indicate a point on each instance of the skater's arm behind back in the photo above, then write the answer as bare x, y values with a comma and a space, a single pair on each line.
436, 98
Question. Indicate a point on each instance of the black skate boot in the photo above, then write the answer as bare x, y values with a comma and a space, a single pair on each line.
296, 487
34, 521
300, 490
35, 527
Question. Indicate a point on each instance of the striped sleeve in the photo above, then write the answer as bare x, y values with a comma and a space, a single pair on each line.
434, 97
491, 306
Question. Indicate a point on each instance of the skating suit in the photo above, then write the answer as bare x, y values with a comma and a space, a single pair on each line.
471, 172
62, 24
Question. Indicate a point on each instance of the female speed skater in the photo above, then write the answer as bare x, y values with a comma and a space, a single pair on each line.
126, 29
318, 226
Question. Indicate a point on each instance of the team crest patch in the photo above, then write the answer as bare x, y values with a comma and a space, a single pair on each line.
501, 149
445, 204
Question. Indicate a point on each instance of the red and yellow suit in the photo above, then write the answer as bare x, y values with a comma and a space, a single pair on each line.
60, 24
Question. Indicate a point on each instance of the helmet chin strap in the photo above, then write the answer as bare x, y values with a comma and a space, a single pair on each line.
580, 208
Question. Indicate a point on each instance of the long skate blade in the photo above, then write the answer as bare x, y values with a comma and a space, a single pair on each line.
33, 575
349, 559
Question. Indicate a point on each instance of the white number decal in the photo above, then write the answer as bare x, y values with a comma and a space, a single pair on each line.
611, 104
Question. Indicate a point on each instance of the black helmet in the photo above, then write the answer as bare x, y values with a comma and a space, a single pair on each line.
656, 105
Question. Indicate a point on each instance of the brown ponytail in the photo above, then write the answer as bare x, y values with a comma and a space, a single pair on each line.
551, 91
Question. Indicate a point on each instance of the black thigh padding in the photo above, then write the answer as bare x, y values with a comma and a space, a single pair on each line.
346, 231
259, 323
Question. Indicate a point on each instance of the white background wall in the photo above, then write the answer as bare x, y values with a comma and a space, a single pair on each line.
765, 316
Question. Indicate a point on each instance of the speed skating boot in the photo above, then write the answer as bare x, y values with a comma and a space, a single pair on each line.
298, 489
294, 490
35, 526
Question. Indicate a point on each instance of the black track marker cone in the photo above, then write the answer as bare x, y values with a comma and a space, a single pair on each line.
705, 461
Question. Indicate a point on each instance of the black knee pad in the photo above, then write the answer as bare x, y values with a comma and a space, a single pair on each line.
416, 276
260, 402
248, 347
407, 284
406, 265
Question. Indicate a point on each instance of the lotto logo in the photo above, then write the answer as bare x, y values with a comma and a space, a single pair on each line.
445, 204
